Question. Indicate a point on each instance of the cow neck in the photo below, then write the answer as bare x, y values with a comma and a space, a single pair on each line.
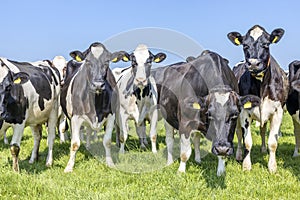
260, 75
139, 94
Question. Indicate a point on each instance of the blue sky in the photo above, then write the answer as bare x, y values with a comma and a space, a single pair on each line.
36, 30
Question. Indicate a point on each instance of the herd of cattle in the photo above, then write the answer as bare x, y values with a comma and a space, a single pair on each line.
202, 94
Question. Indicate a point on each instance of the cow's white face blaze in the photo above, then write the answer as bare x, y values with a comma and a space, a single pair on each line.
141, 62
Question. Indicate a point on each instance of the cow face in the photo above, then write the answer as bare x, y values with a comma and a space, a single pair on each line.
8, 93
219, 110
96, 63
256, 46
141, 62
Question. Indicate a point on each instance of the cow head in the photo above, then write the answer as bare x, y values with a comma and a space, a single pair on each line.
96, 61
141, 62
256, 46
9, 81
219, 111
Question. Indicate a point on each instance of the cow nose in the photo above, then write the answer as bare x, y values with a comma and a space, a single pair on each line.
141, 81
253, 61
99, 85
222, 149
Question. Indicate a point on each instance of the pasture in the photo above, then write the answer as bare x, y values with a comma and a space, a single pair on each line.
91, 179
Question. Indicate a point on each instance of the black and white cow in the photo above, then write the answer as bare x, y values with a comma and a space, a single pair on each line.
28, 97
293, 101
86, 98
262, 76
137, 95
201, 95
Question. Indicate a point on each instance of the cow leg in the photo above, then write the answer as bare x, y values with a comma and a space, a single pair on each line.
196, 141
75, 142
62, 127
221, 166
123, 130
15, 145
263, 130
37, 135
169, 141
117, 135
246, 130
5, 138
141, 131
107, 139
52, 122
297, 137
153, 134
185, 151
88, 137
275, 123
239, 134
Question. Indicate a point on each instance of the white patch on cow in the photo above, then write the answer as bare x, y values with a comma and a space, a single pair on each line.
256, 33
267, 108
97, 51
3, 73
221, 166
222, 98
141, 54
60, 63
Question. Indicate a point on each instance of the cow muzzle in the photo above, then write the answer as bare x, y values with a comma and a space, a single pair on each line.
255, 65
222, 148
98, 86
140, 82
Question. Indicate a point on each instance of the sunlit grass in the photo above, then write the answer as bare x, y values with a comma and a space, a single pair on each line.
91, 179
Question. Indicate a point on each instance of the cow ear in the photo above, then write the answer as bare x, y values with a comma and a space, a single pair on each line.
20, 78
190, 59
126, 57
235, 37
77, 55
159, 57
249, 101
117, 56
296, 85
276, 35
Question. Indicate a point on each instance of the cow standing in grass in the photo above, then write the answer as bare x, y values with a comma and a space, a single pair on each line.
201, 95
293, 101
138, 95
87, 96
262, 76
29, 97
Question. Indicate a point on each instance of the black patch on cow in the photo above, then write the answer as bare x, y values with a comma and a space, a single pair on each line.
1, 123
146, 92
246, 124
17, 104
40, 77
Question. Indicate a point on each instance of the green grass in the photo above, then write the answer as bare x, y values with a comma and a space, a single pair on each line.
91, 179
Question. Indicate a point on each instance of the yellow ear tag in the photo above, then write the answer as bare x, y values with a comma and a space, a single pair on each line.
275, 39
125, 58
196, 106
156, 60
17, 81
248, 104
115, 59
78, 59
236, 40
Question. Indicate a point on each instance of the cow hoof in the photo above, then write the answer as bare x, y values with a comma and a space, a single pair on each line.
143, 147
48, 164
31, 161
110, 163
220, 172
182, 167
246, 166
296, 154
239, 155
170, 162
68, 170
272, 168
263, 149
198, 160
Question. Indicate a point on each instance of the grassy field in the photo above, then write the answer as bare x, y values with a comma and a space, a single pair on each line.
91, 179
